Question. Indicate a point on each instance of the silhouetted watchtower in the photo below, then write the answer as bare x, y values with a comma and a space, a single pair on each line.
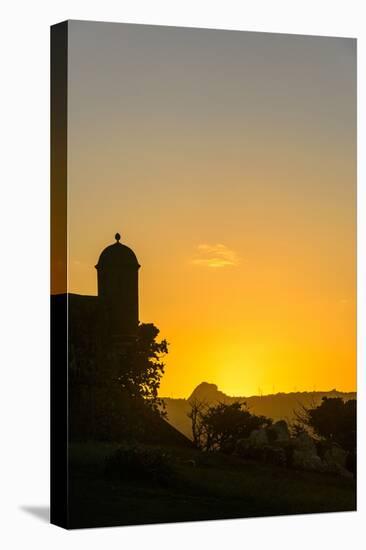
118, 293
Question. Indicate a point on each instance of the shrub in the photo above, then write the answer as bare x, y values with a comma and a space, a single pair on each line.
141, 463
219, 427
333, 420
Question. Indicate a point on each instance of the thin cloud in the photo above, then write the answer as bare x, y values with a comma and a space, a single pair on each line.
215, 256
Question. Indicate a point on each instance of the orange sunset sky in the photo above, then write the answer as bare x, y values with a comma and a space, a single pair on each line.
227, 161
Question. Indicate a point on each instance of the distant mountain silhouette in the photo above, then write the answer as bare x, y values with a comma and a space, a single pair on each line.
207, 392
277, 406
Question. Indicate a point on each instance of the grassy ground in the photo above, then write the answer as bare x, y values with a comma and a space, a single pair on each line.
214, 487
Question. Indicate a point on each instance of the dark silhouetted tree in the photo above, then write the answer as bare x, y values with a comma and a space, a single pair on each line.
138, 370
219, 427
333, 420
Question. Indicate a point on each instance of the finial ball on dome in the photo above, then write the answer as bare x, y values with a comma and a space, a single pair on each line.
117, 254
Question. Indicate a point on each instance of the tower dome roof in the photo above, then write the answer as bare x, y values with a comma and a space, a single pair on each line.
117, 255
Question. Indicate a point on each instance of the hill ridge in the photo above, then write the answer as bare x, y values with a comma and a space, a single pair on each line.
278, 406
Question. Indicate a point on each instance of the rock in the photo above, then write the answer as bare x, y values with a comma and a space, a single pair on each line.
305, 456
258, 437
338, 470
275, 455
344, 472
303, 442
335, 460
336, 456
307, 460
279, 431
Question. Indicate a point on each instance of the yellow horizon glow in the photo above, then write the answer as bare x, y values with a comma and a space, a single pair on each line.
227, 162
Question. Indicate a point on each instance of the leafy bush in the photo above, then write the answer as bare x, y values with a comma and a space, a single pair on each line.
140, 463
333, 420
219, 427
277, 454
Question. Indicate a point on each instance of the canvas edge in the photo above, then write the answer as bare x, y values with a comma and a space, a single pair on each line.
59, 315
